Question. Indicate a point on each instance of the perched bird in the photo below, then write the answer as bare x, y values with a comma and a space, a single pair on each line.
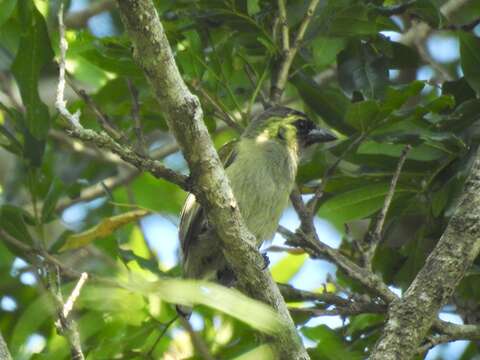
261, 167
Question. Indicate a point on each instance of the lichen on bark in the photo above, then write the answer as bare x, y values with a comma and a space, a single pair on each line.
410, 317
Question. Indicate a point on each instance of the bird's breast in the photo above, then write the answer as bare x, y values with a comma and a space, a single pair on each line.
262, 179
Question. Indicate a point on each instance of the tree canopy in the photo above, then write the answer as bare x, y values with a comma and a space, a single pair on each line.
102, 139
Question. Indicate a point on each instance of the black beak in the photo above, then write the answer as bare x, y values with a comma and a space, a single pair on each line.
319, 135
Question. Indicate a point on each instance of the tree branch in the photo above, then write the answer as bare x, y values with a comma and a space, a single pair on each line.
289, 51
411, 317
4, 353
185, 119
373, 237
316, 249
155, 167
457, 332
102, 139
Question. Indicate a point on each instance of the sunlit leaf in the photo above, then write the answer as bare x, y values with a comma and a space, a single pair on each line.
106, 227
286, 268
229, 301
33, 54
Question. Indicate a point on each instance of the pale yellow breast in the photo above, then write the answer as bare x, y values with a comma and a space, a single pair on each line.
262, 177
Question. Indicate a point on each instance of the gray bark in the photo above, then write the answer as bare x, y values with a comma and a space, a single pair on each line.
210, 185
4, 353
410, 318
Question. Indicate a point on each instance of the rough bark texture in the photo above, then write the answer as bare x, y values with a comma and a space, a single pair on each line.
411, 317
4, 353
210, 185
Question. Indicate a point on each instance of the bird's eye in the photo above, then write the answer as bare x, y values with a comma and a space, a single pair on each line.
281, 133
301, 124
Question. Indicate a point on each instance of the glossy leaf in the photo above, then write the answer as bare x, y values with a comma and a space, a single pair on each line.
470, 59
286, 268
357, 203
106, 227
33, 54
362, 69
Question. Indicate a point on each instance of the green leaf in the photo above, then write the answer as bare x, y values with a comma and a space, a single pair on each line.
362, 115
357, 203
470, 59
14, 146
6, 9
352, 21
463, 117
103, 229
253, 7
54, 193
362, 69
329, 345
426, 10
362, 322
34, 53
230, 301
263, 352
12, 220
402, 56
398, 95
328, 102
459, 89
288, 267
325, 49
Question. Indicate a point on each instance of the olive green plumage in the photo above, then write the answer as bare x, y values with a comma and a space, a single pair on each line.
261, 167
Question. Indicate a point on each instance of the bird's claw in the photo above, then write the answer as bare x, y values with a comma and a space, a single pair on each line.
266, 261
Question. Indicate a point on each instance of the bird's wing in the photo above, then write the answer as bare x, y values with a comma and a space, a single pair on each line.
192, 217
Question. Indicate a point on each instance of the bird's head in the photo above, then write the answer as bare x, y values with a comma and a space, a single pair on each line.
288, 127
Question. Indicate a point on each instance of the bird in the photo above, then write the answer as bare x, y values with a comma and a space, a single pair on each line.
261, 167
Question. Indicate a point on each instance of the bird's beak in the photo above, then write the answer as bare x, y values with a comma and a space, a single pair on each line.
319, 135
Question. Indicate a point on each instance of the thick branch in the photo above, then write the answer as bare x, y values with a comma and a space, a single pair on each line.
185, 119
411, 317
450, 332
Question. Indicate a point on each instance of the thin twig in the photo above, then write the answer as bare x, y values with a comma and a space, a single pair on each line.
160, 336
154, 167
197, 341
103, 140
113, 182
61, 103
65, 326
318, 250
277, 249
132, 201
313, 202
141, 144
374, 237
68, 306
226, 117
285, 30
257, 85
102, 118
435, 340
289, 52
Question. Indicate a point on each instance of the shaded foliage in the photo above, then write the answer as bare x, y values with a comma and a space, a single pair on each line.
230, 50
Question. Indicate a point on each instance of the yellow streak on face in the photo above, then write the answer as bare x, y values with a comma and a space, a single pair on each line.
262, 138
